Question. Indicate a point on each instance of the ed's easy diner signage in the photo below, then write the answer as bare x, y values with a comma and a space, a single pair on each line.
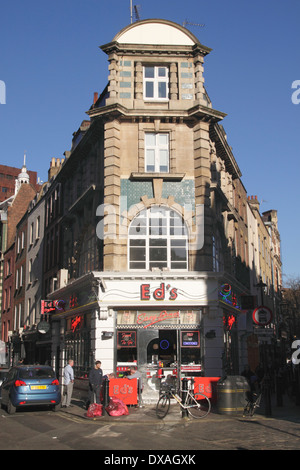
149, 319
160, 293
189, 291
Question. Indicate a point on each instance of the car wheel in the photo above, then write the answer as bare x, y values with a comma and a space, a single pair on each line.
10, 408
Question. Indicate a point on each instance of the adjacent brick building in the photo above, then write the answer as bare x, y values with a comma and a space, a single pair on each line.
8, 177
13, 261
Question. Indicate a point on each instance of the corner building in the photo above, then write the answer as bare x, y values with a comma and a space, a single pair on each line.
171, 221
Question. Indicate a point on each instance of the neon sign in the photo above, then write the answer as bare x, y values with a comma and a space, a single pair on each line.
73, 301
164, 344
60, 305
228, 296
76, 323
47, 306
229, 321
152, 318
127, 339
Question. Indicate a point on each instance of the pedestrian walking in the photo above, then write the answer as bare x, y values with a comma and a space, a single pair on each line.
95, 382
68, 384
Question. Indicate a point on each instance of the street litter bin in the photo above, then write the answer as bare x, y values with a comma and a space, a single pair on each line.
232, 394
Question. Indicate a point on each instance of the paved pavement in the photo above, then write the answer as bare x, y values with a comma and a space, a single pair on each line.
278, 431
289, 412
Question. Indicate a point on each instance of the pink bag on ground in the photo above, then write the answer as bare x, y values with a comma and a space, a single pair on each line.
116, 407
94, 410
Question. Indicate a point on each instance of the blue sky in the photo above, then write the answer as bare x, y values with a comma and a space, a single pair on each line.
51, 65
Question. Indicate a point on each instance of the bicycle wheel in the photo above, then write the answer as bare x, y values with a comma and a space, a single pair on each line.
162, 407
249, 409
198, 407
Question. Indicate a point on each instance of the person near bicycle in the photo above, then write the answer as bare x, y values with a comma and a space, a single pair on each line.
252, 381
135, 374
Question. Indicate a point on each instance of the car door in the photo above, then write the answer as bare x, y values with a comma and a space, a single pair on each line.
7, 384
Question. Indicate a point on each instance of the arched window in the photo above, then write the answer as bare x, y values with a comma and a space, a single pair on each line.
158, 238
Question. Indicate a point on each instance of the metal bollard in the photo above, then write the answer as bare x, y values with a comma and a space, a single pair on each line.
105, 396
184, 391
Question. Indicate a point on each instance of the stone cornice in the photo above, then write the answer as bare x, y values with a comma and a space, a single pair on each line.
197, 112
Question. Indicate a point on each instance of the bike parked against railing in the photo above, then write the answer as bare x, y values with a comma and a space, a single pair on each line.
197, 405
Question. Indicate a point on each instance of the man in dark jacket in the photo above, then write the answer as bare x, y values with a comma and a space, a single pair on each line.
95, 382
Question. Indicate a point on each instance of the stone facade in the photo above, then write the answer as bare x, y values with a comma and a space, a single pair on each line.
148, 229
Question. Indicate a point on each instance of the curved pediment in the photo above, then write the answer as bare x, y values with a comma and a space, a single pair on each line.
156, 32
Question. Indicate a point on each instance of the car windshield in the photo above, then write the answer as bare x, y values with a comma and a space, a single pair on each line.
36, 373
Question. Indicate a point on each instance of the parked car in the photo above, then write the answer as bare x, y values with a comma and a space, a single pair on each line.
29, 385
3, 375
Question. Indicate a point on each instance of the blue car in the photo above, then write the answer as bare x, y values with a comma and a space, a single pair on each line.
30, 385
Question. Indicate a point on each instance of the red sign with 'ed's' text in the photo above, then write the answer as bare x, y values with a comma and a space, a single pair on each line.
125, 390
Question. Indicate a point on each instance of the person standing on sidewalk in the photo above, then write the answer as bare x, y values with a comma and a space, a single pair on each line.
135, 374
68, 384
95, 382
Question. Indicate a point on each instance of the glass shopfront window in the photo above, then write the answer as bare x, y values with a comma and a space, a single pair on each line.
171, 337
78, 344
127, 346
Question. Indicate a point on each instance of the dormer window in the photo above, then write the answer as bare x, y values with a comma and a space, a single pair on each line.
156, 83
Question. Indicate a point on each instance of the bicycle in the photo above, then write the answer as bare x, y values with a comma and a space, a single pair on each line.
252, 404
198, 406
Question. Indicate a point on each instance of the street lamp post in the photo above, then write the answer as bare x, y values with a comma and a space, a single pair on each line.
261, 286
267, 380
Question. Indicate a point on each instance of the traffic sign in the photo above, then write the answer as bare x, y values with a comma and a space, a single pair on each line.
262, 316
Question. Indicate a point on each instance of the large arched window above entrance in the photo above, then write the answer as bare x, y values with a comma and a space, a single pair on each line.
158, 238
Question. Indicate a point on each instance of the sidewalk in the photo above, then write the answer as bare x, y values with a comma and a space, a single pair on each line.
289, 412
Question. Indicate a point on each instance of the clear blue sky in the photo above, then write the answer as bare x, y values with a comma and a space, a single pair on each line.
51, 64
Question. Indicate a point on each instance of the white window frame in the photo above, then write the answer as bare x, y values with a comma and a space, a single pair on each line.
22, 240
20, 316
21, 276
154, 152
16, 318
30, 264
17, 279
161, 231
154, 81
37, 228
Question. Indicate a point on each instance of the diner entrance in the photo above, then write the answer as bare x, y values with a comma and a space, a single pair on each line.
160, 354
162, 348
157, 359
